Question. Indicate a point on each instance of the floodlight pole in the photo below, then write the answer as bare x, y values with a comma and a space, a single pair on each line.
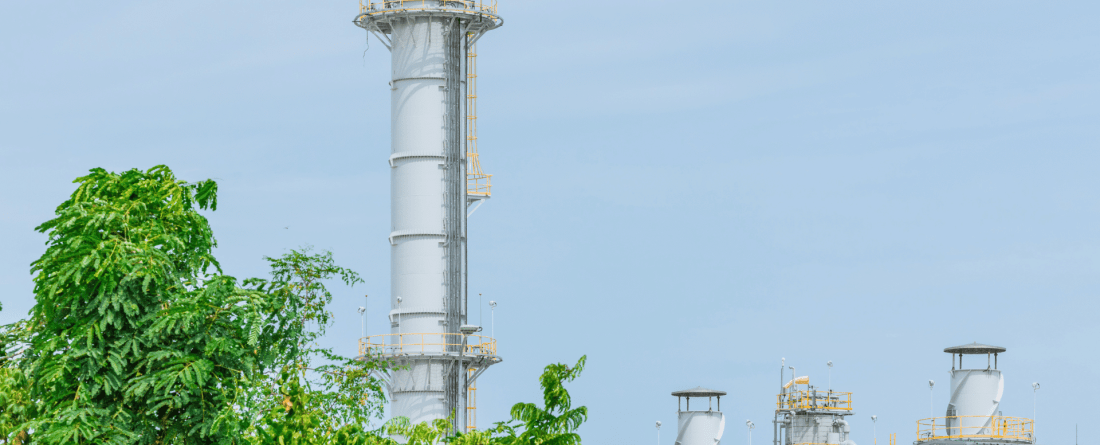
1034, 407
363, 323
874, 421
931, 398
493, 320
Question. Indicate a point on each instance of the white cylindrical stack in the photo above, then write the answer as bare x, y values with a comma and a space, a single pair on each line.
700, 427
419, 251
428, 40
975, 399
974, 409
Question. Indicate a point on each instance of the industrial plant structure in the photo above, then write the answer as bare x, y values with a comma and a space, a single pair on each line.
436, 180
807, 415
699, 427
435, 354
973, 414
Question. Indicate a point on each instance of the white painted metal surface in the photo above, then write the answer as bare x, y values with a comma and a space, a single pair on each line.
418, 213
977, 393
704, 426
818, 428
700, 427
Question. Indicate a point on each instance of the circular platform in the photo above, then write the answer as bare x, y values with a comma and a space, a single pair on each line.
699, 391
415, 346
477, 16
975, 349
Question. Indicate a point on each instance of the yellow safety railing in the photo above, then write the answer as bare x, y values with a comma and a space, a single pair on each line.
977, 427
400, 344
478, 183
820, 400
893, 439
384, 6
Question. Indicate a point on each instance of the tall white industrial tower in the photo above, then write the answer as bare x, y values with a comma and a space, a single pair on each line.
433, 159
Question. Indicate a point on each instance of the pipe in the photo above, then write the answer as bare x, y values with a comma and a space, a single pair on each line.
775, 428
781, 366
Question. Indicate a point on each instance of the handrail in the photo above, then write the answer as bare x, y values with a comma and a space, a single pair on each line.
379, 7
814, 400
426, 343
478, 183
954, 427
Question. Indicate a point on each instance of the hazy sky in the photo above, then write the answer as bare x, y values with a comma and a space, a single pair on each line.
686, 192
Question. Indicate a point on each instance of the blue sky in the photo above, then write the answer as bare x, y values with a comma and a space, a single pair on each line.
685, 192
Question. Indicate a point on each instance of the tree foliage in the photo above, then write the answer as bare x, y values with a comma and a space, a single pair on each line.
319, 396
16, 406
555, 423
137, 337
129, 330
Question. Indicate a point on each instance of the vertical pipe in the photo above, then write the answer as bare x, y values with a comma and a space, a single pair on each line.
775, 428
455, 209
782, 365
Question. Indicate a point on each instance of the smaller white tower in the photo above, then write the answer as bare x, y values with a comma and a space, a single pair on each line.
699, 427
806, 415
973, 413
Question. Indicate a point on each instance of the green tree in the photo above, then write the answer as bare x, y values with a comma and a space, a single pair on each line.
316, 403
555, 423
134, 340
137, 337
15, 403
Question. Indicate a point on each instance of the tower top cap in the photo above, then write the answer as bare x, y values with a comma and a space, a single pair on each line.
698, 391
975, 348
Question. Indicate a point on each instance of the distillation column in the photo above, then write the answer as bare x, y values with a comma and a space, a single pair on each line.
428, 41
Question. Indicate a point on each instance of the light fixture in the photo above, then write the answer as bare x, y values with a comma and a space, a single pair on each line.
874, 421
